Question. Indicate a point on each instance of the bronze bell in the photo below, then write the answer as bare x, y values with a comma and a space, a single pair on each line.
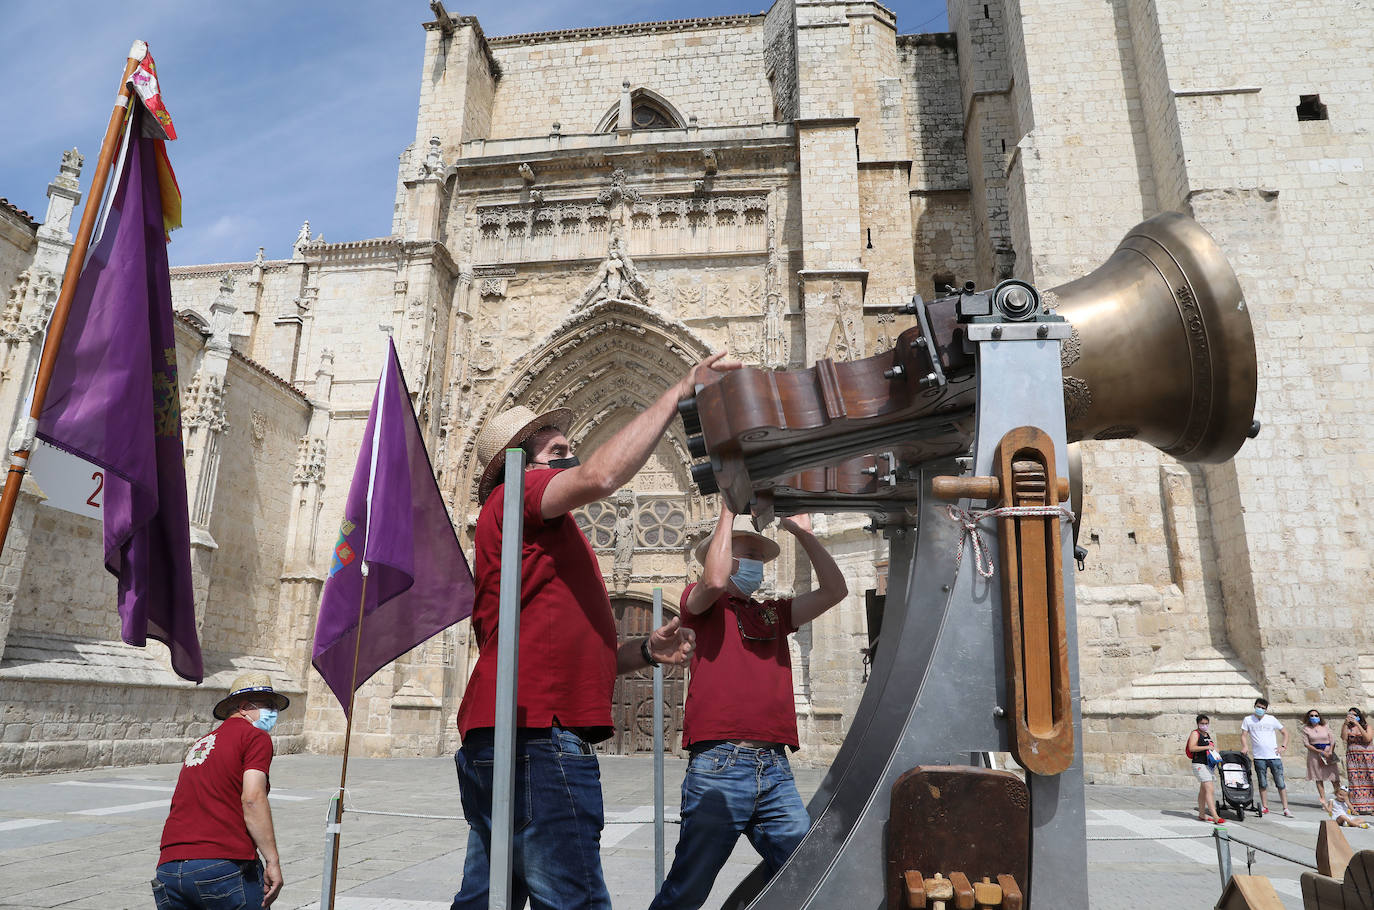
1162, 349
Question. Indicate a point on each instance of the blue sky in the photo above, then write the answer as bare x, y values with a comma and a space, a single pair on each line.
286, 110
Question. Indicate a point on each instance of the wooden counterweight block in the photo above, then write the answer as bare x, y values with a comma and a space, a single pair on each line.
1037, 653
960, 823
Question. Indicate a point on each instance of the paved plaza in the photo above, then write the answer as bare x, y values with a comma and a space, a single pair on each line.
89, 839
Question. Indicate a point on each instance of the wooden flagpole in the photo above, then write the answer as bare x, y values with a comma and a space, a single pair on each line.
57, 324
337, 823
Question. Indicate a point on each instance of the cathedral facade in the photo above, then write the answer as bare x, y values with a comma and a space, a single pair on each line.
583, 214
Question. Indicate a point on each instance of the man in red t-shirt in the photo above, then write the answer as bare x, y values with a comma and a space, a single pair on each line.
740, 710
220, 821
568, 657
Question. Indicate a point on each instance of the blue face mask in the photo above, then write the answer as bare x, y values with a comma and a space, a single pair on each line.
267, 719
1259, 712
749, 576
1314, 720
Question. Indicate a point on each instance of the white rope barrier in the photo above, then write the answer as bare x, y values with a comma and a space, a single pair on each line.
1146, 837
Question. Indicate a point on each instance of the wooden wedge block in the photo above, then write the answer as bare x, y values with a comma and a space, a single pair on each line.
963, 891
1249, 892
915, 890
1333, 850
1011, 893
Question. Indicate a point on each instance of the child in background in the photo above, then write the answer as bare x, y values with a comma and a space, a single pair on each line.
1340, 811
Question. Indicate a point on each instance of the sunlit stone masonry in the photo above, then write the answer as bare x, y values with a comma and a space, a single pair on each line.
581, 214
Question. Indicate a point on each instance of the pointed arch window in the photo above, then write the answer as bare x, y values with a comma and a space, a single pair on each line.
648, 111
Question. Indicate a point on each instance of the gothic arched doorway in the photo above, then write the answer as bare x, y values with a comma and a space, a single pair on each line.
632, 706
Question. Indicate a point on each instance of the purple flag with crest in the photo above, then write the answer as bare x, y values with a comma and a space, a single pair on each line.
395, 524
114, 401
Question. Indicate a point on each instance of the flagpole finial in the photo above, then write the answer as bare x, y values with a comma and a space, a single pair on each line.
138, 50
364, 568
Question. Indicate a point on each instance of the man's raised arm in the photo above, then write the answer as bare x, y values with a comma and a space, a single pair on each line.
612, 465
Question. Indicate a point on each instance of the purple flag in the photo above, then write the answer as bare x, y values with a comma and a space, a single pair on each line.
114, 401
395, 525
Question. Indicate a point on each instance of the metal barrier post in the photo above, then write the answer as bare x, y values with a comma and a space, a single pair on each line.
331, 834
1223, 840
507, 672
658, 753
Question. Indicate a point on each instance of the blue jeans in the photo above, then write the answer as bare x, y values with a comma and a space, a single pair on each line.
731, 790
1274, 766
556, 846
208, 884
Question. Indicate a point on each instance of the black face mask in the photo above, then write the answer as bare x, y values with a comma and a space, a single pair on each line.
569, 462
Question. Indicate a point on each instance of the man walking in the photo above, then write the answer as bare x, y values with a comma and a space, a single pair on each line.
1258, 736
568, 656
220, 822
740, 712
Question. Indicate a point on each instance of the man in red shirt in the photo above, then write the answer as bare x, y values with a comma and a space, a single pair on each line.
740, 711
568, 657
220, 821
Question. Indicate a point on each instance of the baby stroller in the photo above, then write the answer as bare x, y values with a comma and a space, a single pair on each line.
1237, 789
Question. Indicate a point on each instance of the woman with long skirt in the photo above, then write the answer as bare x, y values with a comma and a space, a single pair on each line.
1359, 762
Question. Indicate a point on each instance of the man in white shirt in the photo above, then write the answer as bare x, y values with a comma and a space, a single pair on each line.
1258, 736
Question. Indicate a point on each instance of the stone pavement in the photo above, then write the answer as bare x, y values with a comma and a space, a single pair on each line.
88, 839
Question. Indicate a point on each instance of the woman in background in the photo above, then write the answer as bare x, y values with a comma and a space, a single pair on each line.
1322, 766
1359, 762
1200, 743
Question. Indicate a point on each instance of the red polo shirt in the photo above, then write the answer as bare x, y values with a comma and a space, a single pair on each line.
741, 684
206, 819
567, 630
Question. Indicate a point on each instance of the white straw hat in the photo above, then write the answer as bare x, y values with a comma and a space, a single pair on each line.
742, 530
254, 683
509, 430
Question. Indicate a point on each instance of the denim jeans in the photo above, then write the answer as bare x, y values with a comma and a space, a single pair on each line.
208, 884
1272, 765
556, 845
731, 790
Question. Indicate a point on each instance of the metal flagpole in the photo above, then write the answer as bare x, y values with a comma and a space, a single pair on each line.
57, 323
507, 672
658, 753
334, 828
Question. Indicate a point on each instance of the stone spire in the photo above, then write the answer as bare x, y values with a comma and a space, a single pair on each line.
55, 235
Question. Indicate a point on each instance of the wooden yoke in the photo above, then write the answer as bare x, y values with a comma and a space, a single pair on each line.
1036, 645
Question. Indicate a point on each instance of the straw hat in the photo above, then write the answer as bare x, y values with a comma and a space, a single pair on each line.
509, 430
254, 683
742, 530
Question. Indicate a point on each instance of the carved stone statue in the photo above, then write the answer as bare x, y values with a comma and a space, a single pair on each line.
624, 546
433, 165
616, 279
302, 239
607, 284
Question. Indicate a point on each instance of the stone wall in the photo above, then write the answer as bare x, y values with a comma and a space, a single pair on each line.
710, 69
17, 242
75, 696
995, 151
1205, 585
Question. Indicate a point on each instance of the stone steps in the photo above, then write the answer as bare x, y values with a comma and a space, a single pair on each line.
1208, 674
